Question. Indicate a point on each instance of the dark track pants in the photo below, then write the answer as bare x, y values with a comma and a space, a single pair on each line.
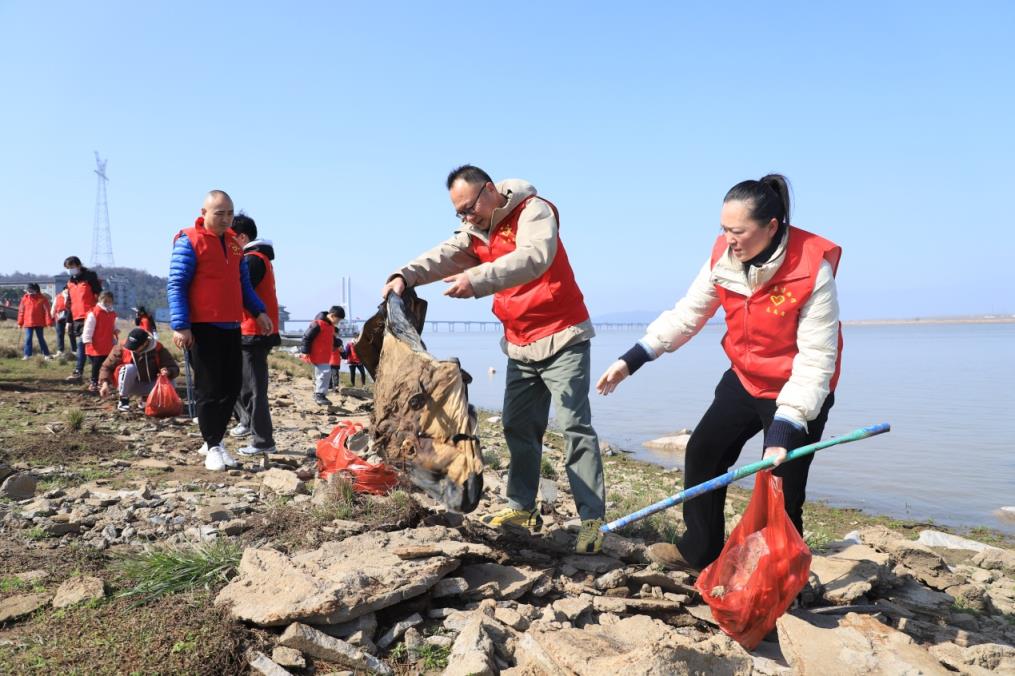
218, 375
732, 419
252, 404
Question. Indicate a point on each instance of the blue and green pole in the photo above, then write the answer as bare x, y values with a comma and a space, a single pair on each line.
737, 474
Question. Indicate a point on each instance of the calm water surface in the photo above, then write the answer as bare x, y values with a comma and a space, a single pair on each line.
948, 391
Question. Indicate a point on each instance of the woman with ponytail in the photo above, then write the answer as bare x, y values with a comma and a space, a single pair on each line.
776, 285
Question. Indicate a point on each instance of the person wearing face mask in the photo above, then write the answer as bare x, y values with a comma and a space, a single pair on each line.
509, 246
133, 367
209, 288
83, 288
33, 317
99, 335
776, 285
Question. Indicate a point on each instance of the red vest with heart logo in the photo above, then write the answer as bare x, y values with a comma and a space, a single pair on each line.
216, 296
761, 330
265, 290
550, 303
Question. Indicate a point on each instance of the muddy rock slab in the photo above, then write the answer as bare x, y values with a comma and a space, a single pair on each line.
492, 580
847, 575
19, 605
994, 558
318, 644
854, 644
923, 562
336, 583
19, 486
78, 589
282, 482
985, 658
634, 645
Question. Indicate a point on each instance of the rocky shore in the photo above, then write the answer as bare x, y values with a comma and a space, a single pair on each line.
311, 578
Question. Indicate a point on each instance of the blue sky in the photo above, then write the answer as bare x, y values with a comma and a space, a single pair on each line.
334, 125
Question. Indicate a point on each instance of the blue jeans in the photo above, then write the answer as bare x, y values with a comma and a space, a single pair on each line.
28, 341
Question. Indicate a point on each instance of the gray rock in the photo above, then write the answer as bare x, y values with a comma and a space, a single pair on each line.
594, 563
262, 664
19, 605
450, 586
571, 608
996, 559
395, 633
923, 562
20, 486
472, 653
337, 582
282, 482
982, 659
318, 644
611, 580
288, 657
849, 574
78, 589
213, 514
494, 580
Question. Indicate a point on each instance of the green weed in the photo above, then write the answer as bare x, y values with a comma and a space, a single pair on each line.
174, 570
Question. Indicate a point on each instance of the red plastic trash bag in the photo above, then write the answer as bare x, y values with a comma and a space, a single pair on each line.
333, 455
163, 402
762, 568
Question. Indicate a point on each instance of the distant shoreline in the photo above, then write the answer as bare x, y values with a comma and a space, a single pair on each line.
1006, 319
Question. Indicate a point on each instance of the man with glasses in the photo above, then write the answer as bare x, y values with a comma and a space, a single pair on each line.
509, 246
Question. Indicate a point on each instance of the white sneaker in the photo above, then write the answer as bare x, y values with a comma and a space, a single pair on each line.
226, 458
204, 449
240, 431
214, 460
249, 451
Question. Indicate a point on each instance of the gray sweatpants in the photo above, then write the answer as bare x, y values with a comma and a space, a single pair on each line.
563, 378
130, 385
322, 378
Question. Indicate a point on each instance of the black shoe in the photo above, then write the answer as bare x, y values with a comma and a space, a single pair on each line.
322, 400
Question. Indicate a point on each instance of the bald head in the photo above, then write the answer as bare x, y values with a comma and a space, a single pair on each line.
217, 211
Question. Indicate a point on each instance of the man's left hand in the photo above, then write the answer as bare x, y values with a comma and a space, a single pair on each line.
460, 287
264, 324
777, 452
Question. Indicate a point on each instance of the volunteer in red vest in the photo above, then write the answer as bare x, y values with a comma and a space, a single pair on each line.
99, 335
349, 352
133, 367
62, 321
509, 246
252, 404
336, 363
317, 346
776, 285
83, 288
34, 317
209, 288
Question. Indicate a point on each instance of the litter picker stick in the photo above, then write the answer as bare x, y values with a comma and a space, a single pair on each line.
190, 384
737, 474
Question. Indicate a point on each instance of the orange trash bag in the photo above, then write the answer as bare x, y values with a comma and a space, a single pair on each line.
333, 455
163, 402
762, 568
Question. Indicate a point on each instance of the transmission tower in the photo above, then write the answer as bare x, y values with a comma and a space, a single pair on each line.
102, 243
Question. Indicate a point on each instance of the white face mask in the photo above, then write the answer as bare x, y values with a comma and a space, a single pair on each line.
73, 271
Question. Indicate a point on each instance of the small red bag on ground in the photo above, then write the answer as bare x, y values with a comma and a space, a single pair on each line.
163, 402
334, 456
762, 568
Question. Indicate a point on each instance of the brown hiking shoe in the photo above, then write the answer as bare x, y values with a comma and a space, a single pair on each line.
668, 556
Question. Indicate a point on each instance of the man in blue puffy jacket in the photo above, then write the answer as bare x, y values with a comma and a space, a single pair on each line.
209, 287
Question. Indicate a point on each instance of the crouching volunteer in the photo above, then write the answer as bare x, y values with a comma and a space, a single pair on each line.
133, 367
776, 285
208, 288
509, 245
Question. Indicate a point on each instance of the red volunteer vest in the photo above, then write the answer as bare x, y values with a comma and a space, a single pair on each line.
102, 339
550, 303
266, 292
353, 358
215, 295
59, 305
336, 356
761, 331
320, 349
33, 311
82, 298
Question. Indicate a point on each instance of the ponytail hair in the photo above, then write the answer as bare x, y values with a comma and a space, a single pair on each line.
766, 198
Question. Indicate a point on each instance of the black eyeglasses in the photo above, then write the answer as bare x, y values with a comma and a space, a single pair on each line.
471, 209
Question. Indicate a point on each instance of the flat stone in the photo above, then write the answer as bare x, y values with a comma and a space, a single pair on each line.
618, 605
855, 644
396, 632
288, 657
633, 645
57, 529
979, 660
925, 564
78, 589
20, 486
213, 514
593, 563
282, 482
676, 443
495, 580
571, 608
472, 653
675, 581
19, 605
919, 599
262, 664
615, 578
996, 559
846, 576
152, 463
510, 618
338, 581
318, 644
32, 576
450, 586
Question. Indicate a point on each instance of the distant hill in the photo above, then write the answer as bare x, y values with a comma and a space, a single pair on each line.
145, 289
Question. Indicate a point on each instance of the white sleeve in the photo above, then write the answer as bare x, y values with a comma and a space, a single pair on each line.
803, 395
675, 327
89, 328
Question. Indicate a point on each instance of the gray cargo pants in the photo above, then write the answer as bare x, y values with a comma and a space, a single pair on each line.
565, 378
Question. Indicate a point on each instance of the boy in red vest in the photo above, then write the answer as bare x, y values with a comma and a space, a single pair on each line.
33, 317
99, 335
252, 404
83, 288
354, 363
509, 246
133, 367
209, 288
318, 344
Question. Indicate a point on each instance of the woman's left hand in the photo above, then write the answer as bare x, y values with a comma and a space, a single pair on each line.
777, 452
